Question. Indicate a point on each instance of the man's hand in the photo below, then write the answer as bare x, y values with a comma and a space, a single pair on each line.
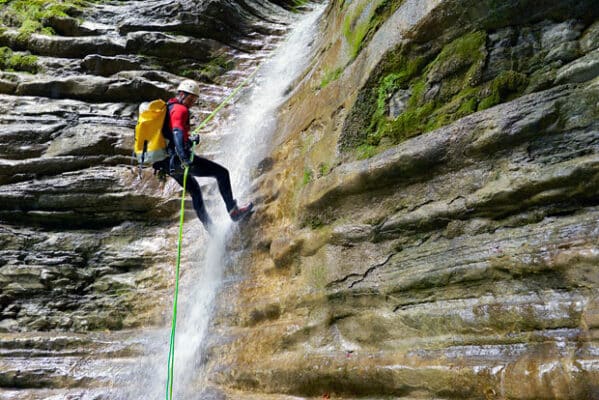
185, 163
195, 139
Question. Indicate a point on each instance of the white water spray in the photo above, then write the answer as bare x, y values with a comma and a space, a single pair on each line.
246, 137
250, 133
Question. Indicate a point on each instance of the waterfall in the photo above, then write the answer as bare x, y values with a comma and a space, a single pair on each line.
246, 135
249, 134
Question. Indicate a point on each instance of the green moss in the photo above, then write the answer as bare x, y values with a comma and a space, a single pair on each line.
457, 67
315, 222
324, 169
506, 86
29, 26
464, 52
409, 123
355, 30
467, 107
366, 151
10, 61
330, 77
382, 12
418, 89
488, 102
307, 178
26, 63
389, 85
297, 5
359, 28
5, 53
217, 66
32, 16
444, 84
365, 19
463, 103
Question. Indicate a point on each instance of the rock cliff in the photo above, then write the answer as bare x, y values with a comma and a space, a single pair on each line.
88, 246
426, 226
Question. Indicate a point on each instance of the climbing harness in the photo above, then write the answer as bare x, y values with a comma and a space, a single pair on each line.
171, 351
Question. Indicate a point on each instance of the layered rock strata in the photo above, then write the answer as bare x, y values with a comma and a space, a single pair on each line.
428, 216
426, 223
87, 244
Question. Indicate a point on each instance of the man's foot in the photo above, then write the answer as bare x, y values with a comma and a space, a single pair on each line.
237, 213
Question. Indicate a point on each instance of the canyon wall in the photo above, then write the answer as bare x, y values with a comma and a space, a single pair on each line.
426, 223
88, 242
428, 215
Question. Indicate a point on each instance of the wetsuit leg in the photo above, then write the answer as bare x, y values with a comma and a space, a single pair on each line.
193, 188
161, 165
203, 167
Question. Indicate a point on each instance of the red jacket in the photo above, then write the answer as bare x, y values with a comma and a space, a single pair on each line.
179, 118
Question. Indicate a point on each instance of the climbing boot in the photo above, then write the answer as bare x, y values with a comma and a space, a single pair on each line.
237, 213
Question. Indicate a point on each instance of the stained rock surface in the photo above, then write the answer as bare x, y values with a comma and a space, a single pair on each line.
87, 242
428, 225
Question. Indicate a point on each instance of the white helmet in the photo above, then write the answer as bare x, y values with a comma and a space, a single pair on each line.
189, 86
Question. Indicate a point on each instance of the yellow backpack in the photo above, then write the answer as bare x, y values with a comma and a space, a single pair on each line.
150, 144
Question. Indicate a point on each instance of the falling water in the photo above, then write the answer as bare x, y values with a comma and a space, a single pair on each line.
249, 134
246, 135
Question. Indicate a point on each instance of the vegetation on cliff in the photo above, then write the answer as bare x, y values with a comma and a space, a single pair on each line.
361, 20
210, 71
10, 61
421, 87
35, 16
416, 94
364, 19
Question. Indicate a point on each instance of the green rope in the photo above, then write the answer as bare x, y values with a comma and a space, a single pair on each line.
225, 101
171, 351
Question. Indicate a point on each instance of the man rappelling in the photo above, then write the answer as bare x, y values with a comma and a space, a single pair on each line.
176, 130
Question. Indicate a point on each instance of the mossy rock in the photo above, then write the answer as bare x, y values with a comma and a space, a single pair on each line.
447, 79
466, 52
36, 16
9, 61
364, 19
445, 84
455, 70
508, 85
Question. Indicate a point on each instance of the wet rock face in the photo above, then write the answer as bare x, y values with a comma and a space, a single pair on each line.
456, 259
86, 241
459, 74
428, 219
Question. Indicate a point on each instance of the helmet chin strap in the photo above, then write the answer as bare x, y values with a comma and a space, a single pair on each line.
182, 96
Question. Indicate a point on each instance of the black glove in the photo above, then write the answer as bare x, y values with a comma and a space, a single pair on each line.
185, 163
195, 139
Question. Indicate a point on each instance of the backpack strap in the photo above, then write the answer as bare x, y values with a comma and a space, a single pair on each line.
166, 130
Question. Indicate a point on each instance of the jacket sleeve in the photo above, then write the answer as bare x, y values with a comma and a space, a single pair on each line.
179, 117
180, 147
